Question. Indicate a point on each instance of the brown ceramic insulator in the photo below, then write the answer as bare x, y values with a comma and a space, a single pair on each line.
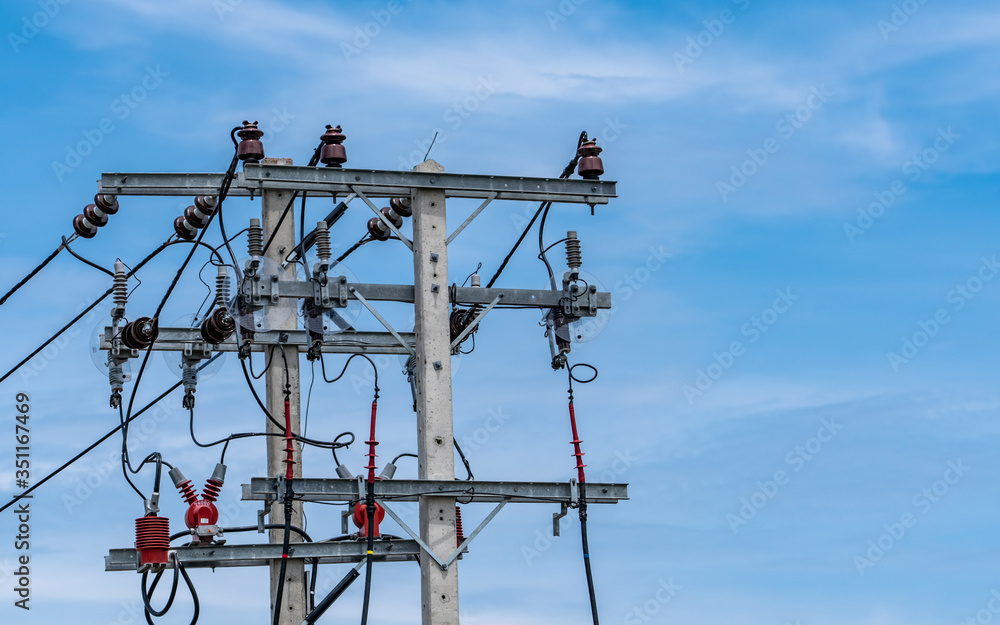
250, 149
218, 327
377, 229
591, 165
333, 153
140, 334
184, 229
83, 227
402, 205
107, 203
97, 217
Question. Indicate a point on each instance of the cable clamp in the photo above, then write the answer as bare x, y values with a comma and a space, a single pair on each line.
574, 493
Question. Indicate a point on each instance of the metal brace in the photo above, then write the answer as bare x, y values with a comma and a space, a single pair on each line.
574, 493
468, 220
577, 302
444, 564
475, 322
382, 320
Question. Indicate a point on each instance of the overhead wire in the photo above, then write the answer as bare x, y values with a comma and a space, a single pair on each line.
32, 273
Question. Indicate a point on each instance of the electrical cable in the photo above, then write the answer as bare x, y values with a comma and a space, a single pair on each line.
396, 459
566, 173
287, 495
31, 274
582, 479
83, 260
465, 460
227, 181
149, 612
94, 445
369, 504
364, 239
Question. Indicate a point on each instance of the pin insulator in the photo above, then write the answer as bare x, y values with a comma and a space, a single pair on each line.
591, 166
250, 149
333, 153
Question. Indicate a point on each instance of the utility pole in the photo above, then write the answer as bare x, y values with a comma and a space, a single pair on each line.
294, 593
435, 432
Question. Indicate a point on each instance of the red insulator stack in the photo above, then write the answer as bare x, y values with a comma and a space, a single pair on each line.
152, 541
459, 532
95, 215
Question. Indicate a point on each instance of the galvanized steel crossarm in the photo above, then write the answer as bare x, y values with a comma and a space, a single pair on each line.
348, 551
319, 489
372, 183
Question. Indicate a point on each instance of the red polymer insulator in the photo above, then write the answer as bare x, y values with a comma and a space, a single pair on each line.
250, 149
333, 153
152, 540
458, 526
188, 493
212, 488
591, 165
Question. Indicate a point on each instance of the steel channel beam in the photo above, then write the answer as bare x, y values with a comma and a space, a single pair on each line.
166, 184
463, 295
373, 183
174, 339
316, 489
390, 550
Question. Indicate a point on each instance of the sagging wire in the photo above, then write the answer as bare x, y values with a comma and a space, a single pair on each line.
65, 244
224, 187
147, 594
582, 479
33, 272
103, 438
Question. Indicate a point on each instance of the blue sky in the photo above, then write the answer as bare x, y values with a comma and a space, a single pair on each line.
806, 190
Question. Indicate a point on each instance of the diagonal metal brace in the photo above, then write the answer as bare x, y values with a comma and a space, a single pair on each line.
382, 320
475, 533
468, 220
475, 322
414, 536
383, 218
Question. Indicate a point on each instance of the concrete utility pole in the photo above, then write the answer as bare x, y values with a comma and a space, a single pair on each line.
435, 432
294, 593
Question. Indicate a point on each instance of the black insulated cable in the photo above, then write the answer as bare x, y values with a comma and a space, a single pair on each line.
31, 274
